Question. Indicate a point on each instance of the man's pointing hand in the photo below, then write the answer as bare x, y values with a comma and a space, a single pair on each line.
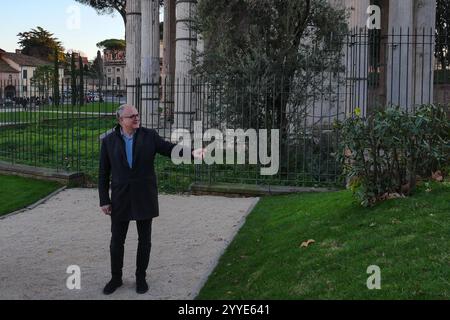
199, 153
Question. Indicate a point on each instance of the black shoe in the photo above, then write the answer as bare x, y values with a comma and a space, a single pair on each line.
141, 286
112, 285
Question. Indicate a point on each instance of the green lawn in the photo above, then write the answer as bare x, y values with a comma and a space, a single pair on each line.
60, 112
88, 107
67, 137
73, 145
68, 144
409, 239
31, 117
18, 192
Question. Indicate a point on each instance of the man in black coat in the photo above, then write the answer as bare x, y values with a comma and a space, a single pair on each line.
127, 159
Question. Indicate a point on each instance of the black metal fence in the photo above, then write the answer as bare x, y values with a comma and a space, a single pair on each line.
366, 71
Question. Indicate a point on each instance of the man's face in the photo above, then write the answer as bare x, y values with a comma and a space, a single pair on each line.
130, 119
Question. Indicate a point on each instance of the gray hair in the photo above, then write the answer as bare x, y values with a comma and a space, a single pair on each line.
120, 111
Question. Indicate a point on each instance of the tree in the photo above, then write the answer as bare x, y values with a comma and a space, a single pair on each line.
443, 33
40, 43
42, 79
112, 44
268, 53
109, 6
97, 67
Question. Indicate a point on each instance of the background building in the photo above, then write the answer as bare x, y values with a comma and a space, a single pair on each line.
8, 77
114, 63
16, 72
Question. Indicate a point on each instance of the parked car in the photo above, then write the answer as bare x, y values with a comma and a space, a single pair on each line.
94, 97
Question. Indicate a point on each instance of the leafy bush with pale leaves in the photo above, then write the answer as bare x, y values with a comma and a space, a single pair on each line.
383, 154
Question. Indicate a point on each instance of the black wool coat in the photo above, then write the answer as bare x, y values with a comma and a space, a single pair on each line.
134, 191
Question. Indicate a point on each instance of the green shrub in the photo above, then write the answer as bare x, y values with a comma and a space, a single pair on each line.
385, 152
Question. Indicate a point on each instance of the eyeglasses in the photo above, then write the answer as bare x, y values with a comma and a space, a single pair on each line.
133, 116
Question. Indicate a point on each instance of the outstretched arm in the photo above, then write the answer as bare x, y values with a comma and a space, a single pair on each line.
165, 148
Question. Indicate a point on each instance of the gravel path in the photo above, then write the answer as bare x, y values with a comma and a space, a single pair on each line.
38, 245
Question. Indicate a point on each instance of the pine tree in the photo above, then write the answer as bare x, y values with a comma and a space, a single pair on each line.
40, 43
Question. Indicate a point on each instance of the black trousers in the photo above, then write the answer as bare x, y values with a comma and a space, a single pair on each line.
119, 231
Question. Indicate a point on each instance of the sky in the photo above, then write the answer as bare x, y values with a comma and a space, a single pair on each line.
77, 26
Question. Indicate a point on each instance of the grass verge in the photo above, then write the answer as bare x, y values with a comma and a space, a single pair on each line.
408, 239
18, 192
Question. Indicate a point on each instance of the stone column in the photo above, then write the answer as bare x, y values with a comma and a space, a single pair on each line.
355, 54
400, 54
201, 88
133, 50
425, 24
380, 97
168, 69
150, 63
186, 43
360, 16
360, 55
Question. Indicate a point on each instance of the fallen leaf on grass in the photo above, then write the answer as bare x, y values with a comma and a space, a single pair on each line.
307, 243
